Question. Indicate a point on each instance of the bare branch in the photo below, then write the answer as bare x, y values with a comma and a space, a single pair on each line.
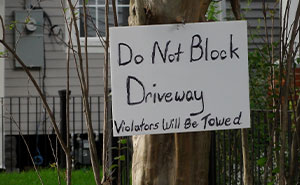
105, 125
86, 47
56, 160
3, 28
115, 13
83, 85
27, 147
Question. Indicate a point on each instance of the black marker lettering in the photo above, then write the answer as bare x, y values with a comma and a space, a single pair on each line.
196, 45
123, 63
223, 55
163, 55
138, 59
118, 128
237, 120
214, 54
128, 86
233, 51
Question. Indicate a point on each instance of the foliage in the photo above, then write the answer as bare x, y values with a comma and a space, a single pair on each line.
3, 54
122, 146
213, 11
260, 68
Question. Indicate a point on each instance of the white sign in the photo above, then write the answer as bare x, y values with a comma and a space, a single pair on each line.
179, 78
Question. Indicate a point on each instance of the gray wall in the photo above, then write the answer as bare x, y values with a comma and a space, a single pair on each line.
2, 138
17, 83
253, 13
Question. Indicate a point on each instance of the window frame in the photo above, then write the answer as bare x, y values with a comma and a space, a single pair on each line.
94, 44
2, 89
2, 59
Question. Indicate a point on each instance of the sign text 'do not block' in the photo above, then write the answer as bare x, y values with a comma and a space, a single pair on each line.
179, 78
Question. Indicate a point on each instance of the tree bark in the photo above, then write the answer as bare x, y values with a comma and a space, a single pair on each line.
247, 176
295, 151
172, 159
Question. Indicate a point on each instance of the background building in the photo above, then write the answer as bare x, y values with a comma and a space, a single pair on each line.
45, 54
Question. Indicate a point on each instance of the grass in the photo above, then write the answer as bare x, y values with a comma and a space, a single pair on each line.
49, 176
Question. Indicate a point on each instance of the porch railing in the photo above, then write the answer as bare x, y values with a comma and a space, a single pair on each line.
26, 116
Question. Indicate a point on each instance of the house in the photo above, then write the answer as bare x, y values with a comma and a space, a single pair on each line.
45, 53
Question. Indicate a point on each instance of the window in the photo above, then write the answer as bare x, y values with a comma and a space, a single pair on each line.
96, 16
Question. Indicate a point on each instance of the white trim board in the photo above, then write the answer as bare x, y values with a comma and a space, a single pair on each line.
2, 67
2, 79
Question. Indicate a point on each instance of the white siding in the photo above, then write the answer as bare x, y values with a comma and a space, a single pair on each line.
253, 13
17, 83
55, 54
2, 72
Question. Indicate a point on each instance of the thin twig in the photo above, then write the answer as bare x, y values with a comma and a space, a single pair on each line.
3, 28
56, 160
68, 158
91, 139
115, 13
266, 27
100, 37
105, 125
86, 47
27, 148
72, 10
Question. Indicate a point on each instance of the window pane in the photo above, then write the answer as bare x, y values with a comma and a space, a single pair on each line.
123, 13
89, 2
90, 26
102, 2
123, 2
101, 20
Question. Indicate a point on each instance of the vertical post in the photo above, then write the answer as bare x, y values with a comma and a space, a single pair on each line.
19, 137
63, 125
10, 131
2, 154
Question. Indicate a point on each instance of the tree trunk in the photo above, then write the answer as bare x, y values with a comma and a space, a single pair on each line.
171, 159
247, 176
295, 151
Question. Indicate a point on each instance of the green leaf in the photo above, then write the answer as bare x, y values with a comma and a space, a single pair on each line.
52, 165
113, 166
12, 25
122, 141
121, 158
124, 148
261, 162
275, 170
27, 20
